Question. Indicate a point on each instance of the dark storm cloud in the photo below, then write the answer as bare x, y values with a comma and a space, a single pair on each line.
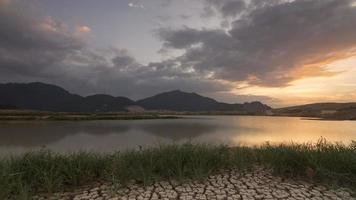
120, 74
123, 61
267, 43
33, 48
273, 43
28, 45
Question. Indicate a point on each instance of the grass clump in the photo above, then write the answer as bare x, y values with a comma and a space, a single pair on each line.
45, 171
323, 161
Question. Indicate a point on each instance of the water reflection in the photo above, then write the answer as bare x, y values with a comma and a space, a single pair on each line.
106, 136
45, 133
176, 130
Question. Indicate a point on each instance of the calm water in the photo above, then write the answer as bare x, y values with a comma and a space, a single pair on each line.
106, 136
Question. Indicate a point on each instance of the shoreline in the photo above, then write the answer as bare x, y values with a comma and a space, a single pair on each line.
100, 118
58, 116
54, 116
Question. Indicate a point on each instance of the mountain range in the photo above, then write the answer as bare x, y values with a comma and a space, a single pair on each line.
47, 97
333, 111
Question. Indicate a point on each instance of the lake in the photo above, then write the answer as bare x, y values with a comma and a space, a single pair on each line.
107, 136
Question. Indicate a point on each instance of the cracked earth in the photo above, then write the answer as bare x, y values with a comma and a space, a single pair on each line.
229, 185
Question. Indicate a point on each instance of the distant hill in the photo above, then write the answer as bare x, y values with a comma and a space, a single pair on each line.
98, 103
41, 96
46, 97
37, 96
182, 101
337, 111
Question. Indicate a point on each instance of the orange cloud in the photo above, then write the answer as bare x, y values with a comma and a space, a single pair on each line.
318, 68
335, 84
48, 24
83, 29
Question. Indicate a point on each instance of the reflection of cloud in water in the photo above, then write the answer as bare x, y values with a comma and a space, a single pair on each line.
107, 135
44, 133
180, 129
35, 134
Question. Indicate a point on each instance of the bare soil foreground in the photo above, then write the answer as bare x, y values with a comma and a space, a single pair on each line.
229, 185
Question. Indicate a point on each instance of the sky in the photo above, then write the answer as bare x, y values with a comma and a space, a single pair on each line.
280, 52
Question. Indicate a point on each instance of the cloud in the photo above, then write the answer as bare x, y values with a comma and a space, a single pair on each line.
114, 71
134, 5
185, 17
4, 2
267, 43
33, 48
165, 3
83, 30
272, 43
29, 46
227, 8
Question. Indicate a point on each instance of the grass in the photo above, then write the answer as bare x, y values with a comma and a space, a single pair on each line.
45, 171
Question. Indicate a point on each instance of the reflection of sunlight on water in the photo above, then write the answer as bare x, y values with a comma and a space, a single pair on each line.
287, 130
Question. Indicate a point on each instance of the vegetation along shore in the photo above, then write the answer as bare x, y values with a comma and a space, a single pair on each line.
45, 172
29, 115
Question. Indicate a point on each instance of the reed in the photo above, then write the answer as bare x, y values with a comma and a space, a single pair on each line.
46, 171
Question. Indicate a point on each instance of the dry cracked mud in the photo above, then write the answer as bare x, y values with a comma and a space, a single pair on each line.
229, 185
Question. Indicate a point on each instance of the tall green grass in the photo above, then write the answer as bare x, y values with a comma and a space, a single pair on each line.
323, 161
45, 171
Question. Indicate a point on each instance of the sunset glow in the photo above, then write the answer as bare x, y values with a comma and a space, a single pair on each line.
137, 48
337, 84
